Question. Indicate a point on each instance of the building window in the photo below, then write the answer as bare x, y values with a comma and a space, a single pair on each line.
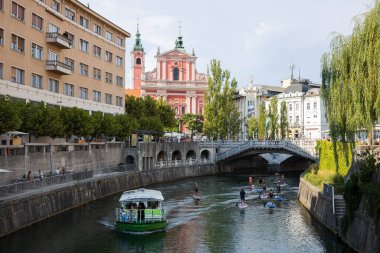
315, 116
119, 41
84, 46
97, 51
183, 110
97, 29
17, 75
1, 37
108, 35
175, 74
37, 81
119, 61
37, 51
119, 81
70, 62
18, 11
297, 106
119, 101
37, 22
308, 106
315, 105
69, 14
71, 38
53, 28
56, 6
1, 70
138, 61
83, 69
200, 110
290, 119
297, 119
69, 90
53, 56
53, 85
17, 44
290, 107
83, 21
97, 74
108, 77
97, 96
83, 93
108, 56
109, 99
1, 5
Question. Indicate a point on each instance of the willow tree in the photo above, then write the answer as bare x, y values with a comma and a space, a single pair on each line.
222, 115
262, 121
274, 118
284, 125
350, 78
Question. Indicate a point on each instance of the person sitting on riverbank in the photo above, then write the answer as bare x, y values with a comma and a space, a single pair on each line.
270, 194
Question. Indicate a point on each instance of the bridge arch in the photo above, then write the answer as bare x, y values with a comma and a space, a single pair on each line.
162, 156
205, 154
177, 155
130, 160
191, 155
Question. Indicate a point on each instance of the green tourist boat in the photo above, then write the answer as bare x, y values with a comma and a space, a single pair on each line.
140, 211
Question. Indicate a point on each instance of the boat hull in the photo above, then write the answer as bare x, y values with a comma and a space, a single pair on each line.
140, 227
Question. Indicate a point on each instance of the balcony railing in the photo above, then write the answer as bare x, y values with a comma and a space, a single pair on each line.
58, 67
59, 40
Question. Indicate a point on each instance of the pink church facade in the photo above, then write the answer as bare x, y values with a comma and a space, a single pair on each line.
174, 79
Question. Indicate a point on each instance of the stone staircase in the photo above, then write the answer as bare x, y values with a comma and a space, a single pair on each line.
340, 208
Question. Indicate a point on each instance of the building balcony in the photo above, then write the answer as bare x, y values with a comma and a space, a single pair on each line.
58, 67
59, 40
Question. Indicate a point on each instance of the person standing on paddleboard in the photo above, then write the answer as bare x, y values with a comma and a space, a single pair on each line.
196, 190
250, 182
242, 197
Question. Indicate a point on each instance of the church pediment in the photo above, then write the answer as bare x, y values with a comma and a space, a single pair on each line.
175, 53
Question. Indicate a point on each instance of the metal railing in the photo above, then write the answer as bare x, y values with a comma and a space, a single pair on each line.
178, 163
55, 35
56, 63
21, 185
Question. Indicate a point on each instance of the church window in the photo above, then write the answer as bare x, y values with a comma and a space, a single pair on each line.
175, 74
138, 61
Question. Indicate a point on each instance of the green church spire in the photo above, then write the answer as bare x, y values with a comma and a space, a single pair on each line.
138, 46
178, 41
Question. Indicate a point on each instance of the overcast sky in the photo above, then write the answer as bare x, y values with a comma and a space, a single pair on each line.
258, 38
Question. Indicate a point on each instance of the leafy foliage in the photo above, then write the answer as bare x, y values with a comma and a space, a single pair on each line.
220, 107
194, 122
253, 126
273, 118
284, 125
9, 117
262, 120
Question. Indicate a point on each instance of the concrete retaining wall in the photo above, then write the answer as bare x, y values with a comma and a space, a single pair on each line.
23, 211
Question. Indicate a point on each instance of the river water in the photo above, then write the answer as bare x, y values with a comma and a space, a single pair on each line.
213, 224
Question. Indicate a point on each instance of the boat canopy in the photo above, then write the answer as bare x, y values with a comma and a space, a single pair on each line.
141, 195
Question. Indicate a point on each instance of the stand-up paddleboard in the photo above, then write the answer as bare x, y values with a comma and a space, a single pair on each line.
270, 205
264, 196
241, 206
278, 198
196, 197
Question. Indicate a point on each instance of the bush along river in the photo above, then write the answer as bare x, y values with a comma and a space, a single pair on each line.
212, 224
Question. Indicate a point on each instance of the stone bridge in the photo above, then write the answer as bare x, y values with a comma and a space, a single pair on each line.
269, 154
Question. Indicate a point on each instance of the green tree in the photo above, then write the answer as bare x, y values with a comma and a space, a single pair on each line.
284, 120
167, 115
220, 107
134, 107
350, 78
253, 127
77, 122
274, 118
105, 125
194, 122
9, 117
125, 126
262, 121
45, 121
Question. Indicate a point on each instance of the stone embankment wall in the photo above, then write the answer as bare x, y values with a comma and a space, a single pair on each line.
22, 211
361, 235
319, 205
